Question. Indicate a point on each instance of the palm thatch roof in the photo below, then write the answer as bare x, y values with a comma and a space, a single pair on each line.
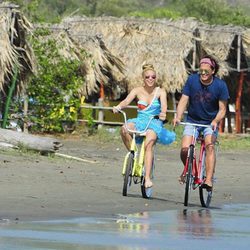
118, 47
246, 42
14, 47
226, 44
135, 42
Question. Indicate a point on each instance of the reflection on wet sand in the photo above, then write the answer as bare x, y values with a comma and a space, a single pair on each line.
225, 228
197, 223
135, 226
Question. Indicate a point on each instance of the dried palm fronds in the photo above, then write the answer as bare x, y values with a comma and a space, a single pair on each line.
118, 47
15, 50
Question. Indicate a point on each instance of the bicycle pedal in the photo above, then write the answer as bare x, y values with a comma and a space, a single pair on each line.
197, 181
137, 180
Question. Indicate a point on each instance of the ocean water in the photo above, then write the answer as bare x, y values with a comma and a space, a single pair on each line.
222, 228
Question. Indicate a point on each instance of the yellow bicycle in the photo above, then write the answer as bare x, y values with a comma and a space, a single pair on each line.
133, 169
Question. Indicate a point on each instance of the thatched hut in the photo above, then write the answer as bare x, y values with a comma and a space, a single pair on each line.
14, 47
118, 48
131, 43
16, 56
174, 47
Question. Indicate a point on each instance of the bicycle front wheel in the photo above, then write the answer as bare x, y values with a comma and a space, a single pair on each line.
189, 176
146, 192
205, 195
128, 174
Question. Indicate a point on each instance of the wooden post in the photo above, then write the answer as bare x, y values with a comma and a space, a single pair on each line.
174, 101
194, 57
100, 104
25, 114
222, 125
238, 53
238, 104
229, 123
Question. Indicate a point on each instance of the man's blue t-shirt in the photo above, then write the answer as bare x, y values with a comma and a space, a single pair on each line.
204, 99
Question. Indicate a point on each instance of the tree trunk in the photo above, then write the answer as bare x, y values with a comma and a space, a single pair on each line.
34, 142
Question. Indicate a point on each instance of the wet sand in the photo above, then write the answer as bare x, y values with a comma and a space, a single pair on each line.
35, 187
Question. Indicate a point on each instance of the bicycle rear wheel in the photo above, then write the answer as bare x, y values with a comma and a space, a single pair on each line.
205, 196
189, 176
128, 174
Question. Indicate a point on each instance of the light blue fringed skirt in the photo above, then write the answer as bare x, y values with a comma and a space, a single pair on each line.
164, 136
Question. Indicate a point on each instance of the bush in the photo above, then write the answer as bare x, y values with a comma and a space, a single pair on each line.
54, 90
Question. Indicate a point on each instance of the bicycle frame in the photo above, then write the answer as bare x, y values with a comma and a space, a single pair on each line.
194, 174
138, 165
133, 166
197, 170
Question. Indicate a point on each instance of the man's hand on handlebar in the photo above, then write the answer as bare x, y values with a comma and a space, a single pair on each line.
214, 125
176, 121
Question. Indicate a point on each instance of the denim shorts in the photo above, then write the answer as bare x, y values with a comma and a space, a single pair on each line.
188, 130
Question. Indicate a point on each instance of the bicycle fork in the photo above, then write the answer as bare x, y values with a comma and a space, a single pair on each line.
201, 165
197, 170
185, 170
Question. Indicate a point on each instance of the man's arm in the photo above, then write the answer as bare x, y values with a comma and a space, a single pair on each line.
182, 105
221, 113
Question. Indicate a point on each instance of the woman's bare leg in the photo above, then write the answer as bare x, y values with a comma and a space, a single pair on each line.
149, 154
126, 137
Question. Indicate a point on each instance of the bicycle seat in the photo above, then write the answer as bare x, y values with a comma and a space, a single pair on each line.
141, 134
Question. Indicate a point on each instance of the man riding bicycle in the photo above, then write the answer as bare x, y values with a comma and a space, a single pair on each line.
206, 97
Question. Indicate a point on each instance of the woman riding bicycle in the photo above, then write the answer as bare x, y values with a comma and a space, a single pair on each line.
206, 97
151, 101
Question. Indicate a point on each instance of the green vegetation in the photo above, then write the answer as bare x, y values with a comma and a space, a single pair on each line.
210, 11
232, 142
54, 90
226, 141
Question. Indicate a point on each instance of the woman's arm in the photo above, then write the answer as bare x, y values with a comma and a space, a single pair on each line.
130, 97
164, 105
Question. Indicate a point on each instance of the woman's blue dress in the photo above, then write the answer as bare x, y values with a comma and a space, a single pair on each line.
164, 136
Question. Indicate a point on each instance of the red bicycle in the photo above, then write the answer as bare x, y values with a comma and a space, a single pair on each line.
194, 172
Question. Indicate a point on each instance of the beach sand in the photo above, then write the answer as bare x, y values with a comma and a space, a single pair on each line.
36, 187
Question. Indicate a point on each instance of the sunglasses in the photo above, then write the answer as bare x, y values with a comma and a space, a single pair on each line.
153, 77
204, 72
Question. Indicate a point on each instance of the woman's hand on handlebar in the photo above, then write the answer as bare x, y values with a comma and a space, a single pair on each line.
116, 109
162, 116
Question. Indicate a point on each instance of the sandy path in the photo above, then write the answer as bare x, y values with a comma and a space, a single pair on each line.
34, 187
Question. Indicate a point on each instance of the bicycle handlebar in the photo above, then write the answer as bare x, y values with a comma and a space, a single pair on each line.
195, 124
136, 131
